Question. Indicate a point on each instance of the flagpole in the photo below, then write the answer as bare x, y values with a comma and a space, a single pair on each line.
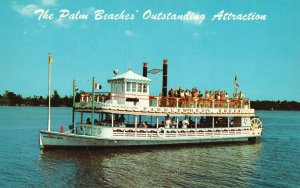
73, 110
93, 108
235, 85
49, 87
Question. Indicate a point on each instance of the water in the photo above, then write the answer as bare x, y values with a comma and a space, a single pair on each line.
272, 162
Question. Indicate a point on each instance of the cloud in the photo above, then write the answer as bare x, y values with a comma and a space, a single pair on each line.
129, 33
65, 23
193, 18
25, 10
90, 10
28, 10
49, 2
196, 34
83, 26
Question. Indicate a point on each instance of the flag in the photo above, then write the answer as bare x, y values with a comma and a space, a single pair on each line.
49, 58
75, 86
236, 81
97, 86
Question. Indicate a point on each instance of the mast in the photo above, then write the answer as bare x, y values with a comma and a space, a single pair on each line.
73, 110
236, 85
49, 87
93, 108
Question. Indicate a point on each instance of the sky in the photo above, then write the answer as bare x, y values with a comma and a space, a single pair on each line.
265, 54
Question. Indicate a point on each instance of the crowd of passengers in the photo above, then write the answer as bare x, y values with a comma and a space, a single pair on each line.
188, 97
188, 94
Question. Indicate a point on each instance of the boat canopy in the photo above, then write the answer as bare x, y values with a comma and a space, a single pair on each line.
129, 76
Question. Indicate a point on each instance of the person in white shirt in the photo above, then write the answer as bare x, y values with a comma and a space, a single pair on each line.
185, 123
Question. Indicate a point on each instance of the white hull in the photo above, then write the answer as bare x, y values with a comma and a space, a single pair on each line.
56, 139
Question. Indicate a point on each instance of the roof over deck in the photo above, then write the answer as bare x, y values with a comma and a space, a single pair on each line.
129, 76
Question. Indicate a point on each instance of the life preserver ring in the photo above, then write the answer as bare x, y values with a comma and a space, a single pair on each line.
161, 132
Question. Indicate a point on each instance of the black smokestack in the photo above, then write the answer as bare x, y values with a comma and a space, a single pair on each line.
165, 78
145, 69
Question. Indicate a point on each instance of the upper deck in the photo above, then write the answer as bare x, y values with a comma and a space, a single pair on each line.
158, 105
129, 94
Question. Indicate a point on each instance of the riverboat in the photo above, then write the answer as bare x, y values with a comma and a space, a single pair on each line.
128, 115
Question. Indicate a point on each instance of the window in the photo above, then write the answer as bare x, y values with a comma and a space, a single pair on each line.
133, 87
140, 87
145, 88
128, 86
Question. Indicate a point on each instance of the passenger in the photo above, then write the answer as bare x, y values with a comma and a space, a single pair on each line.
122, 125
172, 100
180, 93
191, 121
143, 125
116, 118
185, 123
226, 96
167, 122
207, 95
95, 121
202, 122
88, 121
187, 93
212, 94
188, 98
218, 96
107, 118
235, 95
195, 92
242, 96
173, 123
200, 95
195, 95
121, 119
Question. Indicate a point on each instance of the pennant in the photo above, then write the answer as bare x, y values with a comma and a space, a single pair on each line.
236, 81
75, 87
50, 58
97, 86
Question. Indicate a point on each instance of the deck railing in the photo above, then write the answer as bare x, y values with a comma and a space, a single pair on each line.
169, 133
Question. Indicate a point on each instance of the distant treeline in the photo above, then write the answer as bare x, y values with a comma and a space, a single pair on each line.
275, 105
11, 99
